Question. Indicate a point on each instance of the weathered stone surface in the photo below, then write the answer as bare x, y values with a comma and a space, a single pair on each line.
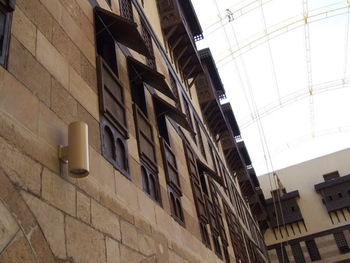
58, 192
101, 178
174, 258
105, 220
62, 103
161, 243
18, 251
40, 246
86, 8
83, 207
65, 46
94, 128
51, 222
118, 207
52, 60
88, 72
8, 226
130, 256
24, 66
113, 252
19, 102
129, 235
146, 206
141, 224
24, 30
84, 244
79, 17
82, 92
146, 244
78, 37
51, 128
126, 191
21, 169
27, 142
38, 14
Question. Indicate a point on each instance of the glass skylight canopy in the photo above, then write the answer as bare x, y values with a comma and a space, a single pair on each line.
285, 68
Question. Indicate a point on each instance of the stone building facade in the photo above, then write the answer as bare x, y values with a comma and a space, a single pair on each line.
314, 198
170, 179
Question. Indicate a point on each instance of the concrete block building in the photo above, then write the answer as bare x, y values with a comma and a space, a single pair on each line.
308, 211
170, 178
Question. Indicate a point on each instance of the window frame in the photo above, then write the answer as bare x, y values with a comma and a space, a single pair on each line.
125, 8
116, 136
7, 8
101, 66
176, 208
312, 249
150, 163
341, 242
151, 174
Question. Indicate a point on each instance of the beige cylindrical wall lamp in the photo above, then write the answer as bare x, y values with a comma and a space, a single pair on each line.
76, 153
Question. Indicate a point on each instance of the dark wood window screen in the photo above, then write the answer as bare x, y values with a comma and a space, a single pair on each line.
151, 62
235, 235
113, 124
175, 91
173, 181
126, 9
114, 147
145, 139
341, 242
111, 96
297, 253
6, 9
187, 112
313, 250
171, 172
150, 183
175, 205
198, 195
282, 254
200, 139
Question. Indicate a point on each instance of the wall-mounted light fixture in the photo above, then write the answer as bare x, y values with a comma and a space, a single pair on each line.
76, 153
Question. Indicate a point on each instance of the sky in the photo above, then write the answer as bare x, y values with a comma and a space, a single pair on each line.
285, 68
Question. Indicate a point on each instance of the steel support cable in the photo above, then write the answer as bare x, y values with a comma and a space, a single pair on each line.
305, 138
236, 65
309, 65
279, 98
252, 96
293, 97
262, 136
237, 13
270, 54
277, 30
346, 44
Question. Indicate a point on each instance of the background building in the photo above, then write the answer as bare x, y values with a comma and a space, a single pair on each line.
170, 178
314, 223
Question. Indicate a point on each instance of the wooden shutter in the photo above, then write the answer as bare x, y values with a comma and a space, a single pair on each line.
111, 97
145, 139
170, 166
126, 9
114, 147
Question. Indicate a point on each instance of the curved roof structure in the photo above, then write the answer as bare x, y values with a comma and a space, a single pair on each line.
285, 68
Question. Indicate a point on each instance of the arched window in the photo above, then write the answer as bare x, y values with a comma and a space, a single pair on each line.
145, 183
152, 187
108, 143
179, 210
121, 156
172, 204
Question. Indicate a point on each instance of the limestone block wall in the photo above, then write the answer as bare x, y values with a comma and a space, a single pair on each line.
320, 225
45, 215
